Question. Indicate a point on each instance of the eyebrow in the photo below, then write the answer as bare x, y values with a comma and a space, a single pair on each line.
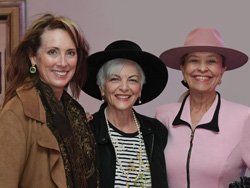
57, 48
134, 75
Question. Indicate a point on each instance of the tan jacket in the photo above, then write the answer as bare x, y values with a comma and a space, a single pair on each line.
29, 152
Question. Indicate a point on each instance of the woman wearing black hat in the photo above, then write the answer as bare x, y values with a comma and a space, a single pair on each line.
130, 145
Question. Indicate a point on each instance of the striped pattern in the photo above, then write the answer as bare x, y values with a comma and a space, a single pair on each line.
127, 147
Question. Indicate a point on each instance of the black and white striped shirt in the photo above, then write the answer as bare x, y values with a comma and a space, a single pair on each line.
127, 148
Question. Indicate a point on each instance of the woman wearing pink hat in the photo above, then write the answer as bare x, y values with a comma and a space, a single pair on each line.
208, 143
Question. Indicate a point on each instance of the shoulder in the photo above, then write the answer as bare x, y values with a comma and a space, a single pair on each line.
98, 121
14, 105
152, 125
167, 111
150, 121
16, 117
99, 115
233, 107
99, 127
70, 100
168, 107
25, 101
234, 115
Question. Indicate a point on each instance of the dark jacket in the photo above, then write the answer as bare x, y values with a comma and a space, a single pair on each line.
155, 139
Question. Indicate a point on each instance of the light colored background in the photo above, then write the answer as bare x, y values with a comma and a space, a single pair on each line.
157, 25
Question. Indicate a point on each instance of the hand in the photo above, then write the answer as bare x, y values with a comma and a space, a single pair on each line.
243, 183
89, 116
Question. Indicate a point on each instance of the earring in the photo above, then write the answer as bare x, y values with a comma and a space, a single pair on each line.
219, 82
32, 69
184, 82
139, 100
102, 99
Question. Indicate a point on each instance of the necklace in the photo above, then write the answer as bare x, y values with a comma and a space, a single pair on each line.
139, 180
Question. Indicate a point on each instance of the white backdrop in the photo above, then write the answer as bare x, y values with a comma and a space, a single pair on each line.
157, 25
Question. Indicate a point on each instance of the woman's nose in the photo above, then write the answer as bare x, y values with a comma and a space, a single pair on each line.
124, 85
203, 66
62, 61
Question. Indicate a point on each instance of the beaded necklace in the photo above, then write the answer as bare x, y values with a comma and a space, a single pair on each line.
140, 179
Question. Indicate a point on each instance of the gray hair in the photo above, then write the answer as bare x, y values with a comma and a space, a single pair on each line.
114, 66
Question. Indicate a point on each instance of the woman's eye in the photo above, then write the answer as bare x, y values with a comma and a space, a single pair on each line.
133, 80
71, 53
52, 52
193, 60
212, 61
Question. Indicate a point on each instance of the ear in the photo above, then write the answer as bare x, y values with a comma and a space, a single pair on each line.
140, 95
33, 60
223, 70
182, 69
102, 91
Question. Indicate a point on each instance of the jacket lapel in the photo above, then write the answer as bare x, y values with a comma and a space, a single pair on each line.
147, 134
45, 138
31, 96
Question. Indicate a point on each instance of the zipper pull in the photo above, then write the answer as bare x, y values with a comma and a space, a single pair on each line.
192, 137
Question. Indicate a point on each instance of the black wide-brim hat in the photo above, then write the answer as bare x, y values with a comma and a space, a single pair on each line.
154, 69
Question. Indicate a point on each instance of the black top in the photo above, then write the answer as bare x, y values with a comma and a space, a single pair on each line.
155, 138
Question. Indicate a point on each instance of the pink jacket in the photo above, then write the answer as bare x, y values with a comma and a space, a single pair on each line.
220, 151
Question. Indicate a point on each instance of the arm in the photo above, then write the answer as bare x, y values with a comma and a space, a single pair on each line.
13, 149
245, 143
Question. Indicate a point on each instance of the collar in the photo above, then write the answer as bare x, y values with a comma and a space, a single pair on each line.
30, 100
213, 125
99, 123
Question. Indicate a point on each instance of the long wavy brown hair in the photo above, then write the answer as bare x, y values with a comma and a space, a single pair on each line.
17, 72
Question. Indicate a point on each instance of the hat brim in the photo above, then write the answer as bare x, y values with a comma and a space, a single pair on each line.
232, 58
154, 69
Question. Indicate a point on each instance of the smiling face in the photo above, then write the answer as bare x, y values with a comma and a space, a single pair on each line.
203, 71
56, 59
121, 90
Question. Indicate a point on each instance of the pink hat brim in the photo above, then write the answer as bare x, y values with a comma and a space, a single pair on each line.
232, 58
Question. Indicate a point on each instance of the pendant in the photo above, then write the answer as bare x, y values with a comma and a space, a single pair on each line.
139, 179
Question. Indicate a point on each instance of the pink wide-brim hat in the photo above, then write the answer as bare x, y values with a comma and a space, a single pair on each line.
204, 40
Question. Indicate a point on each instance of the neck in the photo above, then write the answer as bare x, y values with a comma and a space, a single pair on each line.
122, 120
57, 91
58, 94
201, 102
199, 105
